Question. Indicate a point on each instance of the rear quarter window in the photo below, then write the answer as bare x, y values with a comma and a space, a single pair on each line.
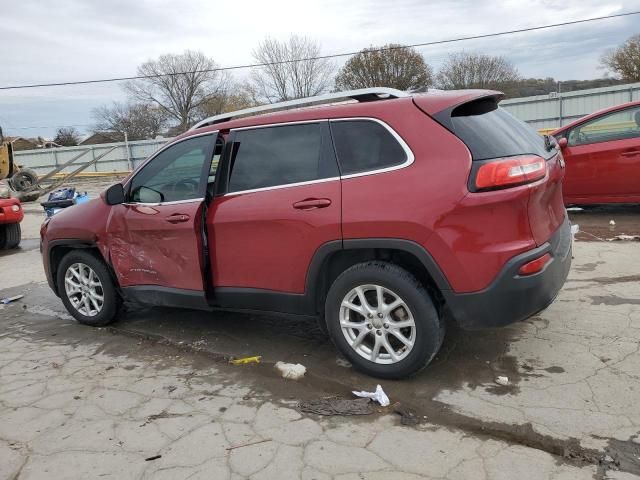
491, 132
365, 145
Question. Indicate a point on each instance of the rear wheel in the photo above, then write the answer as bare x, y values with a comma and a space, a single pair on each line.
10, 236
87, 289
383, 320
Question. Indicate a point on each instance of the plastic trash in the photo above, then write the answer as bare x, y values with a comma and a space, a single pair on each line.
245, 360
575, 228
502, 380
379, 396
291, 371
4, 301
612, 222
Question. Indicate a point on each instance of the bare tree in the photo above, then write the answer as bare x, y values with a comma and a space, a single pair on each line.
67, 137
624, 61
285, 76
395, 66
140, 121
179, 84
237, 97
475, 70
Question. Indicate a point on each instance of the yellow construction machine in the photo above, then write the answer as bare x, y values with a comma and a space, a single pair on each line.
18, 179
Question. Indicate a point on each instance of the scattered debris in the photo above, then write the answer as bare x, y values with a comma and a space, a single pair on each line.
612, 222
7, 300
249, 444
155, 457
379, 396
337, 406
291, 371
502, 380
575, 228
245, 360
342, 362
407, 416
626, 238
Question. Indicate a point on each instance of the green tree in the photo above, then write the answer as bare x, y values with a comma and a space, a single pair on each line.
394, 66
624, 61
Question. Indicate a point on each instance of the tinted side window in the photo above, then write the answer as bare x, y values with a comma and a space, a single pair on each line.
620, 125
271, 156
174, 174
364, 145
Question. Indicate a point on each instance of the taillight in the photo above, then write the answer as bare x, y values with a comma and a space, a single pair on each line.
509, 172
534, 266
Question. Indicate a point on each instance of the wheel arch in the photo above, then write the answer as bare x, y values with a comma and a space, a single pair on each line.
56, 251
333, 258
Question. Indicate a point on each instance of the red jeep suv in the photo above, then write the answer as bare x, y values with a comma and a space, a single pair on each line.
378, 212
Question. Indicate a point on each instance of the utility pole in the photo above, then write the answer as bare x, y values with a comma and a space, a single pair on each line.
126, 146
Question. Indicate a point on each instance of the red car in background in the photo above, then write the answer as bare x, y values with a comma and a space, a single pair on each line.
602, 153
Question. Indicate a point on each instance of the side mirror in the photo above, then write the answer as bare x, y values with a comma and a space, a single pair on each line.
562, 143
114, 195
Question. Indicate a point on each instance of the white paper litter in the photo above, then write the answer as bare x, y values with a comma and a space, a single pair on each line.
612, 222
291, 371
502, 380
575, 228
379, 396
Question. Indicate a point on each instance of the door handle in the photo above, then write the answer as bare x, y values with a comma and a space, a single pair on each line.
311, 203
631, 153
178, 218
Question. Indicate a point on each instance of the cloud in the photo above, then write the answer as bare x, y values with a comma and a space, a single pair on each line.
84, 39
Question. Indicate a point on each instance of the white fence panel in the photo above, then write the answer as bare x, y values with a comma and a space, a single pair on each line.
555, 110
45, 160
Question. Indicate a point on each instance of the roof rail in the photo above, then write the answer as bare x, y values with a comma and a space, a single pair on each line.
361, 95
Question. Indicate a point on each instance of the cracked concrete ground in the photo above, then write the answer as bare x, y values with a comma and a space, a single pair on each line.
77, 402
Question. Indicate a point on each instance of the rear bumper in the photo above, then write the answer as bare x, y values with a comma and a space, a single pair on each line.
511, 297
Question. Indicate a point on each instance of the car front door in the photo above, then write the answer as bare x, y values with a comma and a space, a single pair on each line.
155, 237
280, 204
603, 157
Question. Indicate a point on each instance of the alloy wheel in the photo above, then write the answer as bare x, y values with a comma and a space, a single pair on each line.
84, 289
377, 324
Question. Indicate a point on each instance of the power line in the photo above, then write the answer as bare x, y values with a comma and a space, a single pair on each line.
48, 126
322, 57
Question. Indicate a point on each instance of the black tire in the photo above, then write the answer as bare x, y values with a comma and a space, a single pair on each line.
10, 236
24, 180
429, 328
111, 299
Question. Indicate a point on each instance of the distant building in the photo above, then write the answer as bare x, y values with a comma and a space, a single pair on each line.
102, 137
21, 143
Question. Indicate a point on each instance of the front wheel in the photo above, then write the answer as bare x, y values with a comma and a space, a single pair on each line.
87, 289
383, 320
10, 236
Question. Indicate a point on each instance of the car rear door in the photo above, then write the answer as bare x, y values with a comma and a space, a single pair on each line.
280, 203
603, 156
155, 237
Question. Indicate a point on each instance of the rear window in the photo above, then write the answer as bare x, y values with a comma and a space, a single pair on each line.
491, 132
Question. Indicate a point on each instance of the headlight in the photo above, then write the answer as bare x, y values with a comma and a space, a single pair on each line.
15, 208
4, 191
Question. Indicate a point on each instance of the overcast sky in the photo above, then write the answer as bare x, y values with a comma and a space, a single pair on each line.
86, 39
